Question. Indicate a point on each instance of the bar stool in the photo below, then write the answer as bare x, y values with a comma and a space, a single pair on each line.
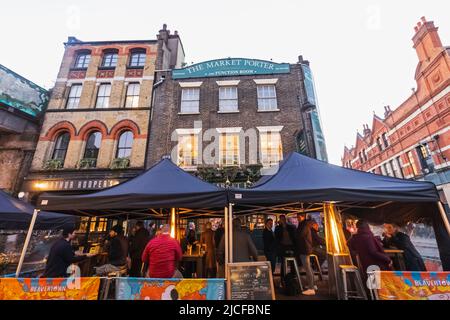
315, 259
292, 259
359, 293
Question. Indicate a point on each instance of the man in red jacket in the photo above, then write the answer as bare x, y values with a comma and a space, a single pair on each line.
162, 254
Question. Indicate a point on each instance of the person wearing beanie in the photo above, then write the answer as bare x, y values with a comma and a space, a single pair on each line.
117, 253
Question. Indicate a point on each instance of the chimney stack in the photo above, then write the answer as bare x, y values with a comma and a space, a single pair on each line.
426, 40
366, 130
387, 111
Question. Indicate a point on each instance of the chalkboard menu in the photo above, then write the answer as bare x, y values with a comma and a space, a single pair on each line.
250, 281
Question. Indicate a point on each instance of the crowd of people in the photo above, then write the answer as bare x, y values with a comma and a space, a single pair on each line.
301, 241
369, 250
154, 253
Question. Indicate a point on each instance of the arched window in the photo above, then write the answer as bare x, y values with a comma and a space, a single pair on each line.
82, 59
137, 58
93, 146
124, 144
110, 58
61, 145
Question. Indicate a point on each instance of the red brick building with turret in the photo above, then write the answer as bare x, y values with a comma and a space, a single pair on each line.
412, 141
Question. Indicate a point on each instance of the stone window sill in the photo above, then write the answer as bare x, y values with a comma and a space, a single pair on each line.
274, 110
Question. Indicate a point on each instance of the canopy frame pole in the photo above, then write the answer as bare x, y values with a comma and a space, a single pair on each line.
27, 241
230, 233
444, 216
226, 239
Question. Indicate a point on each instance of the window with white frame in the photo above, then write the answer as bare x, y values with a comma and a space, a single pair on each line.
109, 59
267, 98
229, 149
396, 165
82, 60
228, 99
137, 58
74, 96
187, 150
132, 98
190, 100
389, 170
271, 149
103, 94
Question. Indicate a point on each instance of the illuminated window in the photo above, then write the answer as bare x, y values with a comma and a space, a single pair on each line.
109, 59
228, 99
267, 98
412, 163
187, 150
132, 98
104, 91
82, 60
229, 149
74, 96
271, 148
61, 146
190, 100
125, 144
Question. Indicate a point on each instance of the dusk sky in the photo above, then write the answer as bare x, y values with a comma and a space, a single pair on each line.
360, 51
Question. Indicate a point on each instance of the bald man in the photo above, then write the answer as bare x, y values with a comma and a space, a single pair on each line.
162, 254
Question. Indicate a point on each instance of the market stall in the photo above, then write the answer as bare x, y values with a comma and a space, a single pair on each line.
16, 215
163, 192
306, 185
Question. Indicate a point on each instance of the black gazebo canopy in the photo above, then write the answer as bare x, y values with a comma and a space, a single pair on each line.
163, 186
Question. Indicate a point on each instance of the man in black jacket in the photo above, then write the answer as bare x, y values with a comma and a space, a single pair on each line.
285, 237
393, 237
304, 244
61, 256
117, 253
270, 245
137, 245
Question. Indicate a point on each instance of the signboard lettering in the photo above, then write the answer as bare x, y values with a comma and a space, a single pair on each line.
230, 67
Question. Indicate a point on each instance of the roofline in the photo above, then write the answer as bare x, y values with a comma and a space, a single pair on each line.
108, 42
22, 77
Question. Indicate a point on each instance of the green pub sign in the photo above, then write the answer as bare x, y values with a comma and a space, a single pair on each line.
230, 67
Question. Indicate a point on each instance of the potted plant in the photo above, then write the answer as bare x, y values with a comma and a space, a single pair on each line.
53, 164
120, 163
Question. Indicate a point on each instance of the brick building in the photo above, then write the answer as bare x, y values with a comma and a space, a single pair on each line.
22, 105
95, 130
228, 120
413, 141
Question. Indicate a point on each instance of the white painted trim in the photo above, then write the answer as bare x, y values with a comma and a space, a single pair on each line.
237, 111
228, 82
442, 165
188, 113
270, 128
190, 84
266, 81
187, 131
229, 130
408, 149
419, 110
274, 110
118, 78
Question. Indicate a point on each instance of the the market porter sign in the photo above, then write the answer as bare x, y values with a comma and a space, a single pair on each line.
230, 67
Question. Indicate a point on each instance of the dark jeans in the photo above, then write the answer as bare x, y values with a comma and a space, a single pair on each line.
272, 257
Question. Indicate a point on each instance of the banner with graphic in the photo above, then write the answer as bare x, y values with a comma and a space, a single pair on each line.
169, 289
405, 285
49, 288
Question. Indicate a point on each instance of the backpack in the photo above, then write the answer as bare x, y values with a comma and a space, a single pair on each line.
291, 285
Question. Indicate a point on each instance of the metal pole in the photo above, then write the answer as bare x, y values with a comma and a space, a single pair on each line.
230, 233
226, 236
27, 242
444, 216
